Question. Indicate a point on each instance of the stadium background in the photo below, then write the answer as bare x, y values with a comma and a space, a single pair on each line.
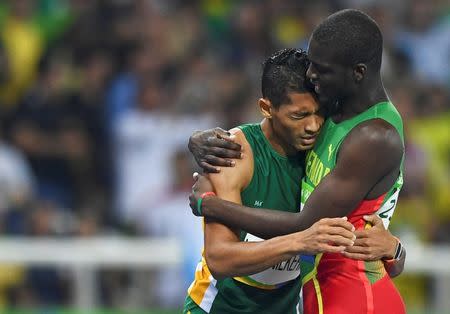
98, 98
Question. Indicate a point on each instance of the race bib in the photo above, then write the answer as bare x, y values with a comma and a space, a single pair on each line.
274, 276
387, 210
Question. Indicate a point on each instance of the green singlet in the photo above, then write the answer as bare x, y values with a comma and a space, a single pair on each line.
274, 185
332, 282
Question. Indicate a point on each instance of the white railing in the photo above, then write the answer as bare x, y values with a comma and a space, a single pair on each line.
85, 256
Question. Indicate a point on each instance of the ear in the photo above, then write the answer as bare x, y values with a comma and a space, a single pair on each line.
359, 71
266, 107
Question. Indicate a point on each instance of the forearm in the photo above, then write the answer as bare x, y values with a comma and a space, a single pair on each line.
231, 259
264, 223
326, 201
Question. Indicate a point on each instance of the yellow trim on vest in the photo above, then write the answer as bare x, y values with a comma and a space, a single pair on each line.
318, 295
201, 283
253, 283
313, 273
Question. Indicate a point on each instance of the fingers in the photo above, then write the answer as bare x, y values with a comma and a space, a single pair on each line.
363, 242
358, 256
339, 231
223, 148
217, 161
193, 204
357, 247
224, 153
229, 138
374, 220
337, 240
208, 167
361, 252
361, 234
364, 250
219, 132
338, 222
376, 231
225, 135
332, 249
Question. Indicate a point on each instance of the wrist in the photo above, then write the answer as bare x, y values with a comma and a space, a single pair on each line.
204, 202
396, 252
390, 253
297, 243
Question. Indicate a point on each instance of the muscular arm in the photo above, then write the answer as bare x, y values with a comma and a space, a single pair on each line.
227, 256
370, 152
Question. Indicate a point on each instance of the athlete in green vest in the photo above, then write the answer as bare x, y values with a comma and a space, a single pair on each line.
355, 169
238, 272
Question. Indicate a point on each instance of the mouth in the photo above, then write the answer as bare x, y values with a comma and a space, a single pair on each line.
309, 140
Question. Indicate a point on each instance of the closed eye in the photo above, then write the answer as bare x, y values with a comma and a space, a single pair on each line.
298, 116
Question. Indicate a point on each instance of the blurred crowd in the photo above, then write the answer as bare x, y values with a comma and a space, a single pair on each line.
98, 98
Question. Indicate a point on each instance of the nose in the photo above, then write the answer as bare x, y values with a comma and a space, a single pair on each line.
314, 124
310, 74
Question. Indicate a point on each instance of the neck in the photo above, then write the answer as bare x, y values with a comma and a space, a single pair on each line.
277, 143
373, 93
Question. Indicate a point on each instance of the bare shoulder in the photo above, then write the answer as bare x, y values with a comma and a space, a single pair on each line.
375, 138
240, 175
375, 135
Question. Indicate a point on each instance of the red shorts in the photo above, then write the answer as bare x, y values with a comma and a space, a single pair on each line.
355, 297
346, 286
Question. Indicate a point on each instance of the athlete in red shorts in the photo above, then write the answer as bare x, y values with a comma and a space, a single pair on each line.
354, 169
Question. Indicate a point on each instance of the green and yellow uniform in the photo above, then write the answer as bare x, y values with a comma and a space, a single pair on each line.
274, 185
331, 282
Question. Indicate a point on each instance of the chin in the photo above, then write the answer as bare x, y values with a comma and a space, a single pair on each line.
303, 147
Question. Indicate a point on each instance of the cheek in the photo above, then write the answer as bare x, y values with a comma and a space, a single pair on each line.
331, 82
295, 130
285, 129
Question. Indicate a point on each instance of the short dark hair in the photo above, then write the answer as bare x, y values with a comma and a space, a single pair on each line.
353, 36
284, 72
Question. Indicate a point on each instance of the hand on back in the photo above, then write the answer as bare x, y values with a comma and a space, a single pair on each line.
374, 243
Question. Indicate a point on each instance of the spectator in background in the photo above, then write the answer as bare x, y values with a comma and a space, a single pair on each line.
16, 189
145, 138
122, 95
170, 219
16, 195
66, 113
46, 285
425, 40
93, 175
50, 136
24, 47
